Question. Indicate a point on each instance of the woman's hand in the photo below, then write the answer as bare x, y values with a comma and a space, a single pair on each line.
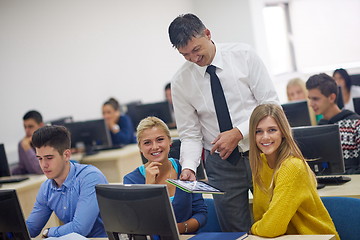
152, 172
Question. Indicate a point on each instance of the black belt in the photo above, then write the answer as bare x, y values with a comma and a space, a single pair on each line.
244, 154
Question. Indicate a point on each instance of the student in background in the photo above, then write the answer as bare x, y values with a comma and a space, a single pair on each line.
69, 190
296, 91
323, 92
246, 84
168, 98
285, 199
348, 90
120, 125
154, 142
28, 162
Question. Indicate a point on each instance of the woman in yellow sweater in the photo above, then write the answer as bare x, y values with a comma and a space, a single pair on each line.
285, 196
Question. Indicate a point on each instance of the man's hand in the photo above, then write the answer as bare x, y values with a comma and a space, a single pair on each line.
26, 143
187, 175
226, 142
152, 172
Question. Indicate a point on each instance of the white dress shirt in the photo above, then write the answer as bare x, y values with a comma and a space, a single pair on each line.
246, 84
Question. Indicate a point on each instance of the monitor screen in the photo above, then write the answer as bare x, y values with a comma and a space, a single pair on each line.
339, 98
4, 167
140, 210
356, 102
61, 121
91, 135
297, 113
158, 109
12, 224
321, 146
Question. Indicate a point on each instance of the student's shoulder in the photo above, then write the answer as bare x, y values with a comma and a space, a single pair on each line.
82, 170
293, 164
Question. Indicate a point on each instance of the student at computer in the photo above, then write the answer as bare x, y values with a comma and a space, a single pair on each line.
348, 90
322, 94
69, 190
154, 142
28, 162
285, 198
120, 125
296, 91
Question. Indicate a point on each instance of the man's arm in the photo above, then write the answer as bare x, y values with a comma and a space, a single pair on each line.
40, 213
87, 209
226, 142
28, 162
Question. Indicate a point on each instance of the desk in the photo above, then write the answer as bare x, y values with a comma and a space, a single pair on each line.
349, 189
115, 163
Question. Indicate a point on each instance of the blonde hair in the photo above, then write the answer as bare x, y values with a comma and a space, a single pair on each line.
296, 82
148, 123
287, 148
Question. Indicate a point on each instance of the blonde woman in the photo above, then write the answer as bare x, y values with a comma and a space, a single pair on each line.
154, 142
285, 195
296, 91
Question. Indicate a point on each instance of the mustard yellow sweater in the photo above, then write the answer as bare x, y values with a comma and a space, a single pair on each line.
295, 207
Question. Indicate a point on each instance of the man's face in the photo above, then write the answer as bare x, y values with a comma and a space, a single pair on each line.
199, 50
30, 126
319, 102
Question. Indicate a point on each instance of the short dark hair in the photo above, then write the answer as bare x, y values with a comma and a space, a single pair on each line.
184, 28
55, 136
33, 115
344, 74
168, 86
324, 83
113, 102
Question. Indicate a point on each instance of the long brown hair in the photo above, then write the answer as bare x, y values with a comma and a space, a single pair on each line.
287, 148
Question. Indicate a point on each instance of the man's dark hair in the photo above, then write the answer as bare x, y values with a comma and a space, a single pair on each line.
57, 137
324, 83
168, 86
33, 115
184, 28
344, 74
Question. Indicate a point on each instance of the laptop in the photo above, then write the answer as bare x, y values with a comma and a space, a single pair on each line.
5, 170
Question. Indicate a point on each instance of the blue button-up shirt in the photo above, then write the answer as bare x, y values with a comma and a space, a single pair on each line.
74, 203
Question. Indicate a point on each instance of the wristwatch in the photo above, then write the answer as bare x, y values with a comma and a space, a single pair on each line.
45, 233
115, 128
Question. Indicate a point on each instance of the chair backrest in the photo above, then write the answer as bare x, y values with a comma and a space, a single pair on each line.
345, 213
212, 224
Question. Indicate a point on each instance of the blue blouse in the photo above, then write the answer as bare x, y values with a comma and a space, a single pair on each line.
185, 205
126, 134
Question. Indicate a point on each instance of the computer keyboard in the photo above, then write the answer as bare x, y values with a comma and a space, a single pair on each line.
333, 180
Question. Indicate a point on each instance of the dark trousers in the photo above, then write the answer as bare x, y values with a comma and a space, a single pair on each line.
233, 207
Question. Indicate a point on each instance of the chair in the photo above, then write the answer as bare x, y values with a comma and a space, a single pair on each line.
212, 224
345, 213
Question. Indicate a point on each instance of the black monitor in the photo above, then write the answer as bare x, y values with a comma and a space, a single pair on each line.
158, 109
321, 146
92, 135
339, 98
4, 166
61, 121
140, 210
356, 102
12, 223
297, 113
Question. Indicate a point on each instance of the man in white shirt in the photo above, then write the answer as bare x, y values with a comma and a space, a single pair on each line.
246, 84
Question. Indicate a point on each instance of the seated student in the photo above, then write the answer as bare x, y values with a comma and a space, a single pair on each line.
322, 94
285, 198
69, 190
348, 90
28, 162
296, 91
120, 125
154, 142
168, 98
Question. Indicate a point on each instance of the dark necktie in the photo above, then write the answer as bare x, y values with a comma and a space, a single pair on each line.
222, 110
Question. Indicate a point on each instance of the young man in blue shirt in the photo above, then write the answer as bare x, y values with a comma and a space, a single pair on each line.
69, 190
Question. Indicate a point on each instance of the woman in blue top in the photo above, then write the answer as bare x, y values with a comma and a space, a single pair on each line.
120, 125
154, 141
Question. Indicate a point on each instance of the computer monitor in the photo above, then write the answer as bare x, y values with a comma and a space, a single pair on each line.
356, 102
61, 121
12, 223
158, 109
92, 135
321, 146
4, 166
339, 98
140, 210
297, 113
